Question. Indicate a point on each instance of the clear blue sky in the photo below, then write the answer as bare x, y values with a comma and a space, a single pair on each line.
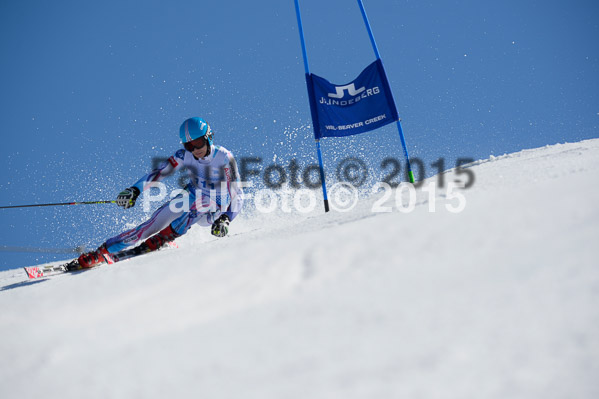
91, 91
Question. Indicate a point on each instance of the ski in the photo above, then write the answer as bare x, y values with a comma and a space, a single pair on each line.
48, 270
73, 265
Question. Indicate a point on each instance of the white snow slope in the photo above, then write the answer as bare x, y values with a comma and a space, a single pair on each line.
498, 301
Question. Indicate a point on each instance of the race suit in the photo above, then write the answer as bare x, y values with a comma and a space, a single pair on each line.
214, 189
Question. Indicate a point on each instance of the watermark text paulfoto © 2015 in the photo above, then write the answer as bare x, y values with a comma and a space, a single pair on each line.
343, 197
284, 190
351, 170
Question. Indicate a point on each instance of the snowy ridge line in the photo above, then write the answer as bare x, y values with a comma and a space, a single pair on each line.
531, 151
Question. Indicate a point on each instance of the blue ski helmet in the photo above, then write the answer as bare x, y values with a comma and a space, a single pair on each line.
194, 128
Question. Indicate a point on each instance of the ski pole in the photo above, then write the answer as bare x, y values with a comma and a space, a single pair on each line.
60, 203
8, 248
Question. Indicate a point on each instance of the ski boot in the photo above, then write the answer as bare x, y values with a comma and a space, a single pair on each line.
95, 258
158, 240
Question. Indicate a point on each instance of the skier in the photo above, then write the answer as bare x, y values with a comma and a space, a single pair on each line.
214, 196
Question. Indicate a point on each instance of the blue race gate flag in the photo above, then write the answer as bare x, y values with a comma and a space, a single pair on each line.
357, 107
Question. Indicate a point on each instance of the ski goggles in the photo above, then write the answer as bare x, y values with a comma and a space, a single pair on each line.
196, 144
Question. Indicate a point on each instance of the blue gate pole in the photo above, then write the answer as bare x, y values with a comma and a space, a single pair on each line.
378, 56
307, 69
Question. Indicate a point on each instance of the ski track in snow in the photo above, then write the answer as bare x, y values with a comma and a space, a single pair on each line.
498, 301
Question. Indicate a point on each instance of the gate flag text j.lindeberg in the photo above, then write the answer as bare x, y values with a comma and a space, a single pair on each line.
360, 106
